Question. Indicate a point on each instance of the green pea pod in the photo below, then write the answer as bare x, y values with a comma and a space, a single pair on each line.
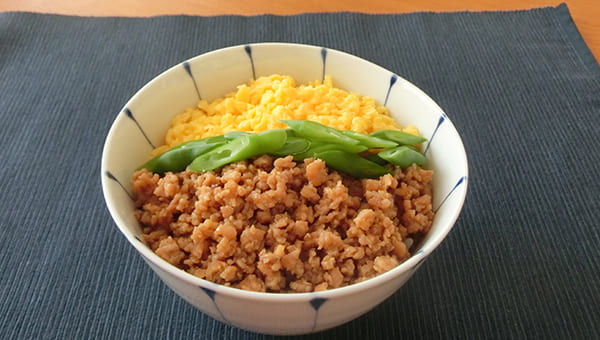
178, 157
321, 146
314, 130
399, 137
413, 147
290, 133
376, 159
352, 164
293, 146
240, 148
234, 134
403, 156
370, 141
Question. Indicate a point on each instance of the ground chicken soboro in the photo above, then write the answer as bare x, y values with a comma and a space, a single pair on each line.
277, 226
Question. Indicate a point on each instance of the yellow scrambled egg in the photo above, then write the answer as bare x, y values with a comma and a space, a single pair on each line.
260, 104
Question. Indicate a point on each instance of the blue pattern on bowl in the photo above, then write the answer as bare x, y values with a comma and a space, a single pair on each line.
188, 69
114, 178
316, 304
129, 114
393, 80
324, 60
439, 123
212, 295
248, 49
460, 181
420, 253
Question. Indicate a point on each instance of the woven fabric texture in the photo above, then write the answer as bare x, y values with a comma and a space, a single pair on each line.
521, 87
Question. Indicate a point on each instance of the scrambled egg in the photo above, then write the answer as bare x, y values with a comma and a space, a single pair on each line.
260, 104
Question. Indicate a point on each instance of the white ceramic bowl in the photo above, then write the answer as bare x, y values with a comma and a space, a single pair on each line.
145, 118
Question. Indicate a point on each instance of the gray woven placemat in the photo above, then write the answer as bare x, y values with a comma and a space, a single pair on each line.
521, 87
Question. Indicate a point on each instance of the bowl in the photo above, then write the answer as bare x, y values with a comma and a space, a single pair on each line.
142, 124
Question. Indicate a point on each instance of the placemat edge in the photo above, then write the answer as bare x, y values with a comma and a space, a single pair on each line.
566, 22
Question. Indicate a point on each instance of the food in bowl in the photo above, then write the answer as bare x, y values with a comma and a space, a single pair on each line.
290, 217
260, 104
143, 120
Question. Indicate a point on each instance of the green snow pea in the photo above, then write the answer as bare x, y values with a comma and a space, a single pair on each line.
370, 141
293, 146
240, 148
290, 133
317, 146
178, 157
351, 164
313, 130
234, 134
403, 156
413, 147
399, 137
376, 159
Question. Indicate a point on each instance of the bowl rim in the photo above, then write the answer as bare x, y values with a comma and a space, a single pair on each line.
413, 262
